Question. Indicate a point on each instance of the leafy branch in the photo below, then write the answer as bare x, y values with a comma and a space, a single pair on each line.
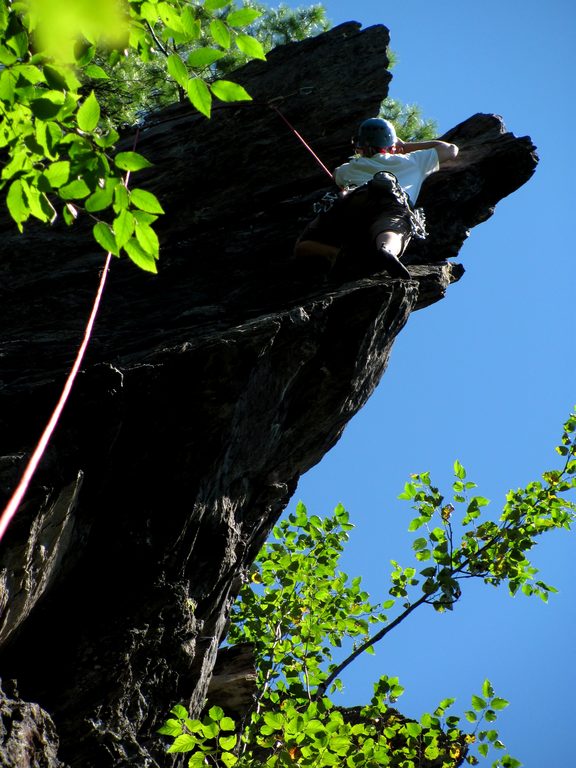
59, 147
299, 609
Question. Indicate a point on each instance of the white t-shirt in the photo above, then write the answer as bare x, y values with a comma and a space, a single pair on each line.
410, 169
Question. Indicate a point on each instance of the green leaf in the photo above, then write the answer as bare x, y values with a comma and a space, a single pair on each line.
19, 43
33, 75
45, 108
7, 85
148, 239
7, 57
149, 12
75, 190
171, 728
96, 72
62, 78
121, 198
199, 95
203, 57
49, 135
131, 161
145, 200
487, 689
215, 5
101, 198
228, 759
409, 492
478, 703
197, 760
227, 742
105, 237
242, 17
148, 263
250, 46
88, 114
413, 729
183, 743
274, 719
216, 713
177, 69
191, 26
170, 16
123, 226
220, 33
17, 205
58, 173
227, 724
228, 91
107, 140
459, 470
498, 703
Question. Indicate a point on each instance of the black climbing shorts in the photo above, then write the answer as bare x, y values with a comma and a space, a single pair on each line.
357, 217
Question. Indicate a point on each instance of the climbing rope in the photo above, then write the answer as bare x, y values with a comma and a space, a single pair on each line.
32, 465
301, 138
18, 495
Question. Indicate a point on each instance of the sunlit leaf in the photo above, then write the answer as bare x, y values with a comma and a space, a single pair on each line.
203, 57
147, 262
220, 33
242, 17
199, 95
88, 114
131, 161
105, 237
177, 69
250, 46
225, 90
146, 201
16, 202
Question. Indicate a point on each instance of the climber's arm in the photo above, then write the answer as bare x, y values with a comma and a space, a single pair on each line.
445, 150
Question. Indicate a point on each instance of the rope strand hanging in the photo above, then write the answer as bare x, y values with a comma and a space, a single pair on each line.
301, 138
16, 499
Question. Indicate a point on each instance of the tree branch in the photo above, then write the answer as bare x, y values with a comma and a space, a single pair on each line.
372, 641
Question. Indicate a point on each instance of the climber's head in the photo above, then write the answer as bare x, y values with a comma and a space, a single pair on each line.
375, 135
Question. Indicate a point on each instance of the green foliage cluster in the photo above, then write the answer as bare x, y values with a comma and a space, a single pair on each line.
58, 152
299, 612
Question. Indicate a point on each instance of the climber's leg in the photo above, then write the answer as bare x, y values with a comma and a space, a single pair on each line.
390, 246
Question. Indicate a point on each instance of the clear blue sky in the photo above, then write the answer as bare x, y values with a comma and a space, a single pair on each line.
486, 376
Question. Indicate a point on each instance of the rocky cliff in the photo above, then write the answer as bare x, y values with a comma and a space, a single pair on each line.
208, 390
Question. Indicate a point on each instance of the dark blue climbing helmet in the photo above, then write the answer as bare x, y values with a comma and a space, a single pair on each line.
376, 133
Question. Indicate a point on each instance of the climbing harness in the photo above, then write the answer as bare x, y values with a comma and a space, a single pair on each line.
386, 181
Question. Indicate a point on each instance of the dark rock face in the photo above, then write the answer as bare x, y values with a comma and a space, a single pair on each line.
27, 735
207, 392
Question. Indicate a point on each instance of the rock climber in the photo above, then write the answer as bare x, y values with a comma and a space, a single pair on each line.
374, 211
